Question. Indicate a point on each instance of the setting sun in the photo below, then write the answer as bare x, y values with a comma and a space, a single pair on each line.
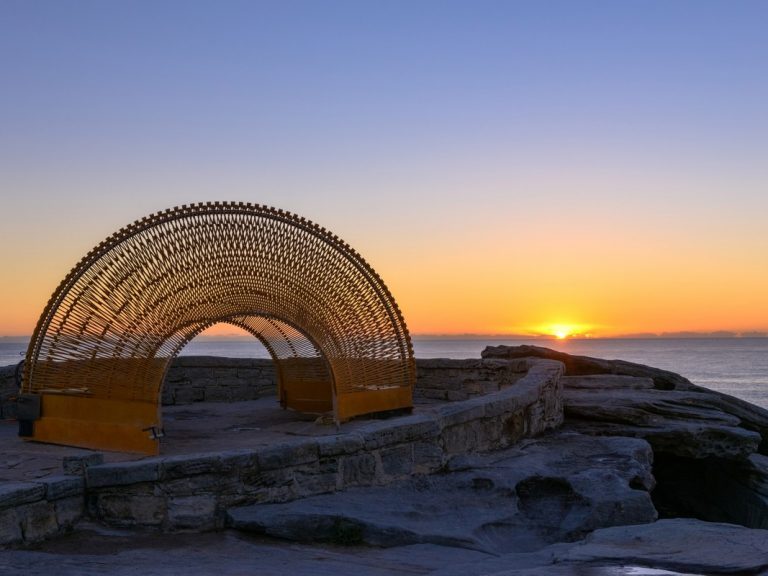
561, 330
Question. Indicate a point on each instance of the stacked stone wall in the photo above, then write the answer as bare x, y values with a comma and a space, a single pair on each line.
8, 391
31, 511
452, 380
193, 492
185, 492
212, 379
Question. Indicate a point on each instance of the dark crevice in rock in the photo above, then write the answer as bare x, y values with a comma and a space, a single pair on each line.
546, 499
710, 489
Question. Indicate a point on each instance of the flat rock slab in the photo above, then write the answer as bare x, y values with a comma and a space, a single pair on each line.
666, 548
678, 544
545, 490
691, 424
221, 554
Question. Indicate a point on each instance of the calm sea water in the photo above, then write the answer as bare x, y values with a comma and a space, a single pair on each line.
737, 366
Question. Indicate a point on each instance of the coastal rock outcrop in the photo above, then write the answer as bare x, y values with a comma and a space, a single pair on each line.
707, 458
710, 449
681, 546
636, 443
520, 499
687, 423
583, 365
677, 544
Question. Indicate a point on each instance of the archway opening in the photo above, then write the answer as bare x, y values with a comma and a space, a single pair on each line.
303, 376
225, 340
223, 363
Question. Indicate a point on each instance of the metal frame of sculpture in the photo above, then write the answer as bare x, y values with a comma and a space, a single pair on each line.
98, 357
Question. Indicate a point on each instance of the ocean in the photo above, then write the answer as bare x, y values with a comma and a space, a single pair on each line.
736, 366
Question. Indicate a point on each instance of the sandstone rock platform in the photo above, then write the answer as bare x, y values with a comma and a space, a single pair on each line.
520, 499
681, 547
636, 443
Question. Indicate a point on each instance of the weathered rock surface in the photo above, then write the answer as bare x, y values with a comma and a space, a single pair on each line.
584, 372
615, 397
691, 424
602, 381
582, 365
573, 502
707, 460
752, 417
683, 546
709, 448
678, 544
519, 499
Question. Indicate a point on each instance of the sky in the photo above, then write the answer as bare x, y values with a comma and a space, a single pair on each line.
516, 167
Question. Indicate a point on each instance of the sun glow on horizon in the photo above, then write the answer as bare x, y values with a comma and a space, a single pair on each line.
563, 330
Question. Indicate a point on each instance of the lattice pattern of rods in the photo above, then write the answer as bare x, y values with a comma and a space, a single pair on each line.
119, 317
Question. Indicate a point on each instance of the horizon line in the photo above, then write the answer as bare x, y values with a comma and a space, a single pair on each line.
630, 336
683, 334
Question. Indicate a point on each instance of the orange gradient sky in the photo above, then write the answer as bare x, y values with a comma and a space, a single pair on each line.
507, 168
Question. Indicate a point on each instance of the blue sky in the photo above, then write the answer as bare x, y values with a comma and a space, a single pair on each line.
421, 132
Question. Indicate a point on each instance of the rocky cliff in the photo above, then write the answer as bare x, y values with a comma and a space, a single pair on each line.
710, 449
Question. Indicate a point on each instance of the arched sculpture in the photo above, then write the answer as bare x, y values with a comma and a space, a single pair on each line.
99, 354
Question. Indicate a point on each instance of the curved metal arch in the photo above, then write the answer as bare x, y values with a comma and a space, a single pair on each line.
222, 208
106, 332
